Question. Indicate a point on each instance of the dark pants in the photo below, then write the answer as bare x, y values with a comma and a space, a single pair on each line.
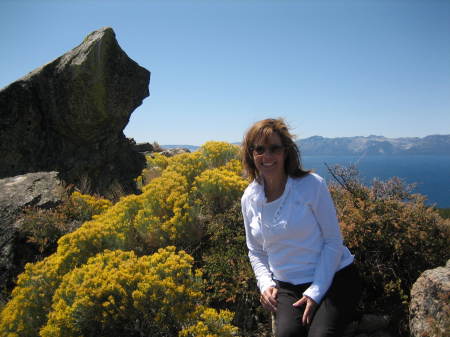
335, 312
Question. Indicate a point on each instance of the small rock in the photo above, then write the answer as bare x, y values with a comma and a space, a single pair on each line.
144, 147
175, 151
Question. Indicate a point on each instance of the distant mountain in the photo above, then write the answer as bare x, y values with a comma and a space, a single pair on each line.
370, 146
189, 147
375, 145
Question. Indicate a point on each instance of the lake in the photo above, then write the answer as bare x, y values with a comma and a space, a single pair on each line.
431, 174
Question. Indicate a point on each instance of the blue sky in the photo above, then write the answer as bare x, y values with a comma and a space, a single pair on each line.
331, 68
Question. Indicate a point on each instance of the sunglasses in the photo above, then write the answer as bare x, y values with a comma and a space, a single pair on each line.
273, 149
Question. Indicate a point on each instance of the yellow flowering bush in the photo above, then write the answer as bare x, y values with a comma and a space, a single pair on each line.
27, 310
218, 153
218, 188
235, 166
118, 294
84, 206
155, 164
188, 165
157, 160
164, 214
210, 323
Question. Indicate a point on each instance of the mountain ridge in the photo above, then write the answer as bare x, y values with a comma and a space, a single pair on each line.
366, 145
375, 145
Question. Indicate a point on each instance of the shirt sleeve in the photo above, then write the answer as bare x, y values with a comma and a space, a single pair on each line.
258, 257
332, 249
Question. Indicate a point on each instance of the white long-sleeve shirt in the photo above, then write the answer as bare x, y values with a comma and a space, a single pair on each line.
301, 242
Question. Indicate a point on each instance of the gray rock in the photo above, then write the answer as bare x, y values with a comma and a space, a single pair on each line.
144, 147
41, 189
429, 309
174, 151
69, 116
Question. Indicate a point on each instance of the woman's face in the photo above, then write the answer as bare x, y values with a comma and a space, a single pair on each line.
269, 155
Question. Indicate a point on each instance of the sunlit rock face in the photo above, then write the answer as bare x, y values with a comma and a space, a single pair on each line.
429, 309
43, 190
69, 116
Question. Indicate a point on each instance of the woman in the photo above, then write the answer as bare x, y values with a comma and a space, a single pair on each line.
304, 272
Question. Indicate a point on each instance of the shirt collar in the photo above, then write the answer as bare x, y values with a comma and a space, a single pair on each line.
259, 195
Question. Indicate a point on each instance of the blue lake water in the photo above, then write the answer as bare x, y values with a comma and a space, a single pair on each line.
431, 174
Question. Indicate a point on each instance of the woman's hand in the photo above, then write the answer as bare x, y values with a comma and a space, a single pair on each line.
309, 309
269, 299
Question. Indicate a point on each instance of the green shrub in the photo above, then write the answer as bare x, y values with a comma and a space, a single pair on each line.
229, 279
394, 236
44, 227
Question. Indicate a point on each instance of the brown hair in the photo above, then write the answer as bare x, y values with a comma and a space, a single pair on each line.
263, 129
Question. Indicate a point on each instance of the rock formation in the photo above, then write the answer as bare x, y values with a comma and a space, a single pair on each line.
42, 190
144, 147
174, 151
69, 116
429, 309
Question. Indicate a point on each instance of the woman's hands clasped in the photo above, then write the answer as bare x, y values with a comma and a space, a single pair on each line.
311, 306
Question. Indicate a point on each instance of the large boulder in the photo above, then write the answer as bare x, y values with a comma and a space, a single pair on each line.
429, 309
69, 116
41, 190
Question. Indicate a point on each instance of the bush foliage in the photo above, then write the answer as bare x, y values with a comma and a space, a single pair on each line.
394, 235
163, 215
117, 293
43, 227
172, 261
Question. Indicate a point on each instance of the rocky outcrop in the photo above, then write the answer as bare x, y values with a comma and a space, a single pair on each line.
144, 147
429, 309
42, 190
69, 116
174, 151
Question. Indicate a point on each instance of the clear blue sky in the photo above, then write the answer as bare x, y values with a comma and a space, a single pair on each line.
331, 68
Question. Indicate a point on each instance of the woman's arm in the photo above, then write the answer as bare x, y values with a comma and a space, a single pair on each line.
332, 249
258, 257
